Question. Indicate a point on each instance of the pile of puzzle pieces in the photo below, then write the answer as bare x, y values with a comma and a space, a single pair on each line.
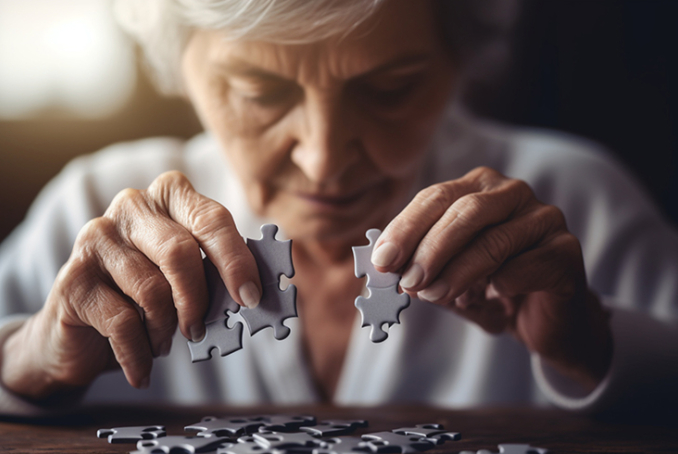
289, 434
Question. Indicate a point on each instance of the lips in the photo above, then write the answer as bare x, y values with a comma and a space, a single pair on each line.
336, 200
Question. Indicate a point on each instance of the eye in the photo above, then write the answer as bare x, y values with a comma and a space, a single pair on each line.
388, 93
270, 98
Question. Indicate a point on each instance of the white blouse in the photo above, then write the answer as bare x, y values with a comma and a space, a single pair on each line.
433, 357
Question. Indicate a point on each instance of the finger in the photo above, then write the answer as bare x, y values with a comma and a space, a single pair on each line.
402, 235
466, 218
141, 280
488, 252
116, 319
213, 227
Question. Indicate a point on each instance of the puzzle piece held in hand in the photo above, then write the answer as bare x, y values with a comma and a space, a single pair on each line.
362, 256
275, 307
274, 259
384, 303
225, 427
131, 434
178, 443
334, 428
392, 442
382, 306
217, 336
511, 449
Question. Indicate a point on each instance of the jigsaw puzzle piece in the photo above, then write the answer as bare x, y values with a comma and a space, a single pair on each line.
273, 257
285, 423
275, 307
131, 434
334, 428
177, 443
382, 306
511, 449
225, 427
220, 299
396, 443
362, 256
217, 335
344, 445
435, 433
288, 441
245, 448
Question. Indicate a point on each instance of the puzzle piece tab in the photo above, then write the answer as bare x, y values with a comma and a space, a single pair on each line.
285, 441
131, 434
435, 433
285, 423
382, 306
217, 336
363, 264
344, 445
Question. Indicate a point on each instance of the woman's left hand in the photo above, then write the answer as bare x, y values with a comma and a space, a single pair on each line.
485, 247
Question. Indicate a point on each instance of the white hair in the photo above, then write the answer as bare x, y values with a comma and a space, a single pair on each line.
162, 27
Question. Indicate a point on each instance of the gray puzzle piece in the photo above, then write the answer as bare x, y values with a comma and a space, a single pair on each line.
285, 423
334, 428
287, 441
344, 445
434, 433
275, 307
511, 449
217, 335
220, 299
178, 443
274, 258
392, 442
131, 434
225, 427
246, 448
363, 264
382, 306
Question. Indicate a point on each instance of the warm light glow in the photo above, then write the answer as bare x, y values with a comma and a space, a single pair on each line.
65, 54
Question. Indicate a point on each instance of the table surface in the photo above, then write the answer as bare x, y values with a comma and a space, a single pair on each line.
556, 430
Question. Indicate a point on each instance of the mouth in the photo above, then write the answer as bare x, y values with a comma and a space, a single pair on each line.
333, 201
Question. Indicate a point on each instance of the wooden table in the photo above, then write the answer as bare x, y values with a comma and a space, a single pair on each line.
481, 429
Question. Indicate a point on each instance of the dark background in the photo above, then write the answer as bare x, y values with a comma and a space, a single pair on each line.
602, 69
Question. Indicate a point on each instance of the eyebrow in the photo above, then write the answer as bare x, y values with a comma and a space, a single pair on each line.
247, 69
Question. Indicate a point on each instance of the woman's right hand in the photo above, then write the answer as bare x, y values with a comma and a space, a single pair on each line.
134, 274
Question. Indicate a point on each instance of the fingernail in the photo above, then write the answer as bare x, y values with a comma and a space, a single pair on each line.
145, 383
165, 348
434, 292
412, 277
197, 332
249, 294
385, 254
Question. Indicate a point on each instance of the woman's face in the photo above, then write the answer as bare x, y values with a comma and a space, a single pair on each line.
328, 137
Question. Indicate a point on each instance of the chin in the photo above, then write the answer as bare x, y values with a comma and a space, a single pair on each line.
305, 227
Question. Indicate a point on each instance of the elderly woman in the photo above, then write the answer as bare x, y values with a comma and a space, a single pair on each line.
330, 118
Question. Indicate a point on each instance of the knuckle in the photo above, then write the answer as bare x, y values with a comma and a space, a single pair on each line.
210, 219
522, 190
469, 207
151, 291
494, 247
168, 182
177, 251
121, 325
554, 215
486, 176
437, 196
125, 200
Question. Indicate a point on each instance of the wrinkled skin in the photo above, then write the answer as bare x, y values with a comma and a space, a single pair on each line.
327, 139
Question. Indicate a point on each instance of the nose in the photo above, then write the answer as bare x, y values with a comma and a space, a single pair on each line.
326, 145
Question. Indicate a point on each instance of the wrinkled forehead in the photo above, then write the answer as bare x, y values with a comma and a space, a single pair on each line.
400, 32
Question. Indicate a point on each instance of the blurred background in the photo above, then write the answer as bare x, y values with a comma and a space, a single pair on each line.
70, 84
